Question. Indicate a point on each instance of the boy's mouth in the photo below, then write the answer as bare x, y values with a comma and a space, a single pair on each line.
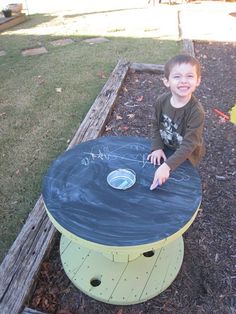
183, 88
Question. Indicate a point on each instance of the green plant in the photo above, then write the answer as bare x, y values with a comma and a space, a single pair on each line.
7, 12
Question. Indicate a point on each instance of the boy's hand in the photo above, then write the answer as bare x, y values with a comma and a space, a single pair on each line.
161, 175
155, 157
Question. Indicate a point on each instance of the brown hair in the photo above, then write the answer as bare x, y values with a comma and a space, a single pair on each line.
180, 59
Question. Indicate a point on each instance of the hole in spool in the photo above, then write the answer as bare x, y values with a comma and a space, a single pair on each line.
95, 282
148, 253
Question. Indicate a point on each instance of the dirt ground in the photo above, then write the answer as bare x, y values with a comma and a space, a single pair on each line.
206, 282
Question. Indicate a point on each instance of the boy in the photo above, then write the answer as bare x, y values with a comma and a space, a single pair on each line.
178, 119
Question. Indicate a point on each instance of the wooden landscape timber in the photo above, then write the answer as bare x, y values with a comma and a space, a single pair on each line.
146, 67
21, 265
9, 22
188, 47
27, 310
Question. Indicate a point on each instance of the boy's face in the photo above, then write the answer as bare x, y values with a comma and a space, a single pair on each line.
183, 79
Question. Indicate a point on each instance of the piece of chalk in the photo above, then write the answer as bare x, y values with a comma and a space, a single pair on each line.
123, 184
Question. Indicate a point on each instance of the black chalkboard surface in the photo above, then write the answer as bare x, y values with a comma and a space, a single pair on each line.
77, 195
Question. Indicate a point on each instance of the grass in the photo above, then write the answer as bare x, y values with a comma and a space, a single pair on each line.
36, 120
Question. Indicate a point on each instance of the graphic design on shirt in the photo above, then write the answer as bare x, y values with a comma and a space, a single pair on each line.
169, 133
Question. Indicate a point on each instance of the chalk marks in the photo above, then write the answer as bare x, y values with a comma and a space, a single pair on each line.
179, 176
104, 153
140, 153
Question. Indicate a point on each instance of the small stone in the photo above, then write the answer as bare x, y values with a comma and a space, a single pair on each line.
2, 53
213, 169
62, 42
232, 162
220, 178
97, 40
34, 51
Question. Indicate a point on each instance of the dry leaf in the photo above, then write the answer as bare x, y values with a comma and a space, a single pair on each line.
37, 300
130, 115
64, 312
222, 120
140, 98
125, 89
58, 89
45, 302
108, 128
101, 75
40, 80
125, 128
45, 266
118, 117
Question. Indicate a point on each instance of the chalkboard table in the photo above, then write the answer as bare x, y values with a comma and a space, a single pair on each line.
119, 246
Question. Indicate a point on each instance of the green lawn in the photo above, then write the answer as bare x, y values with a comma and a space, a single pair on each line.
36, 119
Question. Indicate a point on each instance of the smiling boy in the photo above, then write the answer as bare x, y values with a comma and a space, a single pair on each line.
178, 119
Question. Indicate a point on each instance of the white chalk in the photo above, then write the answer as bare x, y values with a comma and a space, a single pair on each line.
123, 184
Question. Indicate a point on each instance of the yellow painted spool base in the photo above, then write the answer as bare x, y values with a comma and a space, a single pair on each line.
121, 283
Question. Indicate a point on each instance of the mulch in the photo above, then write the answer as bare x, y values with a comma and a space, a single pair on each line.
206, 282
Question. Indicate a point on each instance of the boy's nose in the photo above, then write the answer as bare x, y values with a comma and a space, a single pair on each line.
183, 79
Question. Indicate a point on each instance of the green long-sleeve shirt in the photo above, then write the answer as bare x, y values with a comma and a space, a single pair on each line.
180, 129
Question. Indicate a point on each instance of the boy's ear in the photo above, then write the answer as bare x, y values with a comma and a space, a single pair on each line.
199, 80
166, 82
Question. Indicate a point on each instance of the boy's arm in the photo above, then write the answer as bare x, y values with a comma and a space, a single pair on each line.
192, 139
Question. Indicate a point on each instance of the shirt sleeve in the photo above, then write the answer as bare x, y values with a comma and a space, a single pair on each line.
192, 140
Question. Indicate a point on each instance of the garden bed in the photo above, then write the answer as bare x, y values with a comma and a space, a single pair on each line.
206, 282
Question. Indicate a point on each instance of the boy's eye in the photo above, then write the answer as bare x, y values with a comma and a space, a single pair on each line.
190, 75
176, 76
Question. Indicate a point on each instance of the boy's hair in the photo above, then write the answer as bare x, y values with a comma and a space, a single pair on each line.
180, 59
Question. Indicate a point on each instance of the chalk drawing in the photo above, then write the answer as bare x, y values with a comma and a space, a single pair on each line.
179, 176
104, 153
